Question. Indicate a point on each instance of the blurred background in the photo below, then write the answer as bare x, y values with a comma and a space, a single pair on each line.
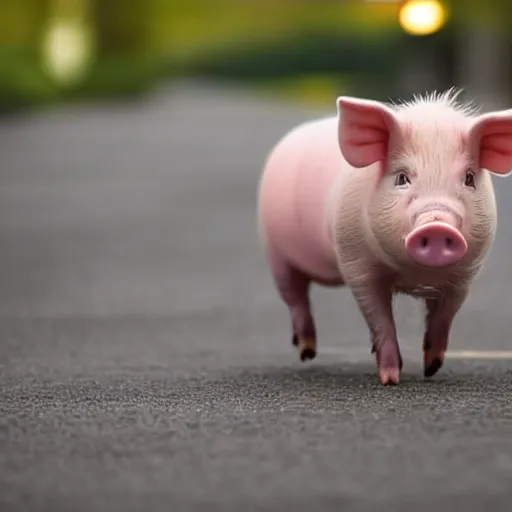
54, 51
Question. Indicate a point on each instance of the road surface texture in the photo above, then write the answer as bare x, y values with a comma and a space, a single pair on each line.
146, 360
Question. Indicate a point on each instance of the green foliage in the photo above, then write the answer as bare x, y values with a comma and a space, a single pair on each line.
20, 22
193, 26
293, 47
305, 53
317, 65
123, 27
22, 81
491, 14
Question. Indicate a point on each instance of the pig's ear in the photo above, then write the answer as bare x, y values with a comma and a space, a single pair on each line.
492, 135
363, 130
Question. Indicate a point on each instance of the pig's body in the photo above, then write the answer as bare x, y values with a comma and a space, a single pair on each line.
384, 200
295, 218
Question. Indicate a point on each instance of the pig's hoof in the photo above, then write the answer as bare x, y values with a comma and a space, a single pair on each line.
432, 362
389, 376
307, 349
295, 340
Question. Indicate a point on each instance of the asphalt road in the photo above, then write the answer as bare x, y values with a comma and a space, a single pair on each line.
145, 358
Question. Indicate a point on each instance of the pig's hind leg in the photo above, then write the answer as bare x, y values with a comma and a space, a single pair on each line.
293, 287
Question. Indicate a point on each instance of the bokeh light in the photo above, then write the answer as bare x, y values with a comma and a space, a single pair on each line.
422, 17
67, 51
67, 44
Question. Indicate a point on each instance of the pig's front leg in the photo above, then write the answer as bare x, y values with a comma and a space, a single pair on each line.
439, 319
375, 302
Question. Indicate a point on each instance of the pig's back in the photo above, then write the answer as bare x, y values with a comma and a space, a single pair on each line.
298, 176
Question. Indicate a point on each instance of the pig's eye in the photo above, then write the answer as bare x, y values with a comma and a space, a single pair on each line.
469, 179
402, 180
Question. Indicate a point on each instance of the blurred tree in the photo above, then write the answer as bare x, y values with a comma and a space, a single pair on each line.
123, 26
22, 80
21, 22
483, 50
493, 14
125, 60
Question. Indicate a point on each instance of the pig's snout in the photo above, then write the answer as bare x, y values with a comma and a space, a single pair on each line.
436, 244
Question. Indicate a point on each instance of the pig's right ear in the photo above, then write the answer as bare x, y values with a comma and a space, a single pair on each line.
363, 130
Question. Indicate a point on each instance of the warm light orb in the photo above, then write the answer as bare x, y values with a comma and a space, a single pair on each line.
67, 50
422, 17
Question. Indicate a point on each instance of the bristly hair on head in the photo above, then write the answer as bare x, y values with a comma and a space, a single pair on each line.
448, 98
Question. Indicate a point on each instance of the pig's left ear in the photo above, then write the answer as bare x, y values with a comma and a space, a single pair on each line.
492, 135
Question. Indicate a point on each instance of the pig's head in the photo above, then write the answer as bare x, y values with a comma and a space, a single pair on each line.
433, 203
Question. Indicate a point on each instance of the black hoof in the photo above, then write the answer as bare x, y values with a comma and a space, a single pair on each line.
433, 367
307, 354
295, 340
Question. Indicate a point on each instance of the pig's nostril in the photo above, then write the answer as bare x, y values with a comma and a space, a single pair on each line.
424, 242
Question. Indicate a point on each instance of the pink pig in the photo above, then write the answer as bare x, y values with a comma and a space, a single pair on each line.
384, 199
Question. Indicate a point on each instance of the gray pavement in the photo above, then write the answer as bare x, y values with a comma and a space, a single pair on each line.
145, 358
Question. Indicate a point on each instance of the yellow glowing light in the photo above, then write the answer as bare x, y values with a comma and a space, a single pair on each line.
422, 17
67, 50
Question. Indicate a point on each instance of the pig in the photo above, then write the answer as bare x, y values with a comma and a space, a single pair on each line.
384, 199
